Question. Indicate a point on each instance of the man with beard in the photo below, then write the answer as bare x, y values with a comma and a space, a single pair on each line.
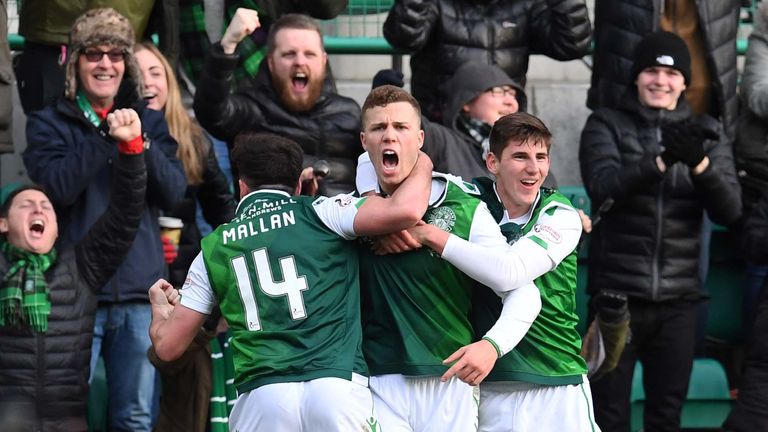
289, 96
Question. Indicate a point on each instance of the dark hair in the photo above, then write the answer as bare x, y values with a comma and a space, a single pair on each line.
6, 204
292, 21
521, 127
266, 159
387, 94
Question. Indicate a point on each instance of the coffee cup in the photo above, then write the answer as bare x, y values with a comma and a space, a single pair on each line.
170, 228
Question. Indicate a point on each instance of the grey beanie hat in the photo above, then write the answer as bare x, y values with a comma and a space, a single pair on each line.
101, 26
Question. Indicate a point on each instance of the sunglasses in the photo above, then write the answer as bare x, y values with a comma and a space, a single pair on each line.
94, 55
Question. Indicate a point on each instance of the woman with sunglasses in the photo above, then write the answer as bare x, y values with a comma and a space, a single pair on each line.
71, 153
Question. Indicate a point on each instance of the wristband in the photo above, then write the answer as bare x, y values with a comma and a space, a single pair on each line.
134, 146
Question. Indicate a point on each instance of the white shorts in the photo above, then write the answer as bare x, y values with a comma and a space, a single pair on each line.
507, 406
424, 404
323, 404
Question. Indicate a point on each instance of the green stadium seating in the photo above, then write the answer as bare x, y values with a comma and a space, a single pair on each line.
708, 401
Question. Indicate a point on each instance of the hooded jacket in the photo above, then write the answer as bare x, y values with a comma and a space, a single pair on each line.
647, 242
44, 376
443, 34
330, 130
621, 24
450, 147
74, 161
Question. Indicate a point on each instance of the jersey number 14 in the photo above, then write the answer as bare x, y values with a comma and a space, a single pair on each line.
291, 286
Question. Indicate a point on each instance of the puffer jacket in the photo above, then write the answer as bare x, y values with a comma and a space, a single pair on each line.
621, 24
44, 376
74, 161
647, 242
751, 146
330, 130
443, 34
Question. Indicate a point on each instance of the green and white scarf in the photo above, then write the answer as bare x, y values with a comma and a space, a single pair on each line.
24, 293
87, 109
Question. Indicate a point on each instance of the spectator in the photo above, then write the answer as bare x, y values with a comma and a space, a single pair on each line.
70, 153
46, 347
195, 41
660, 167
750, 409
443, 34
751, 147
6, 80
708, 29
205, 181
45, 25
286, 98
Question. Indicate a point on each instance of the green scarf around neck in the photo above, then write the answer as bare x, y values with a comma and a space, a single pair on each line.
24, 292
87, 109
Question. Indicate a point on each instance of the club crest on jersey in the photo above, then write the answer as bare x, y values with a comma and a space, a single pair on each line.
548, 233
443, 218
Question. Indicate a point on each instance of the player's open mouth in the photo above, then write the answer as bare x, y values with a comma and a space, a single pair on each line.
389, 160
37, 227
528, 183
300, 80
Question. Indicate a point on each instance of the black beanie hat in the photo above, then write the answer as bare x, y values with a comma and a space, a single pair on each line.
662, 49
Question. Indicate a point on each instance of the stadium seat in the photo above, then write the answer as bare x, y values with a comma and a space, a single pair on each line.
708, 401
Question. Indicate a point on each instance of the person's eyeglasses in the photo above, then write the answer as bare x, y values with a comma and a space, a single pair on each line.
94, 55
502, 91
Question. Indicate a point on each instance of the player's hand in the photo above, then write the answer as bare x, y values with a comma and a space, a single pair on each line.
430, 236
308, 182
163, 297
124, 125
394, 243
245, 22
586, 222
471, 363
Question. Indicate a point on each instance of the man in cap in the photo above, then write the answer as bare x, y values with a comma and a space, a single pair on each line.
71, 153
662, 168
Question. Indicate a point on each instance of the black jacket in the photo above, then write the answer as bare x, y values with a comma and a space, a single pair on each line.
218, 207
44, 377
74, 161
621, 24
443, 34
330, 130
647, 243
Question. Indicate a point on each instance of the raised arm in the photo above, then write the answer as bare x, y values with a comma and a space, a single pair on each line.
166, 182
560, 29
173, 326
109, 239
410, 23
223, 114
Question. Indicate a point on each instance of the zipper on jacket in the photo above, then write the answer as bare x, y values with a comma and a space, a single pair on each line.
39, 377
655, 271
491, 39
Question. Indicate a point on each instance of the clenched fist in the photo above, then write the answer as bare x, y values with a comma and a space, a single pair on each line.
124, 125
245, 22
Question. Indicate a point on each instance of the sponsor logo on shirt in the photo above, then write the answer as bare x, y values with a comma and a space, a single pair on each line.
548, 233
344, 201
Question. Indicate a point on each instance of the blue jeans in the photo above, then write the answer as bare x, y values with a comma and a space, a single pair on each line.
121, 335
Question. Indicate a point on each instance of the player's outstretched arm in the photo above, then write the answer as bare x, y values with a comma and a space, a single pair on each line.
173, 326
403, 209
